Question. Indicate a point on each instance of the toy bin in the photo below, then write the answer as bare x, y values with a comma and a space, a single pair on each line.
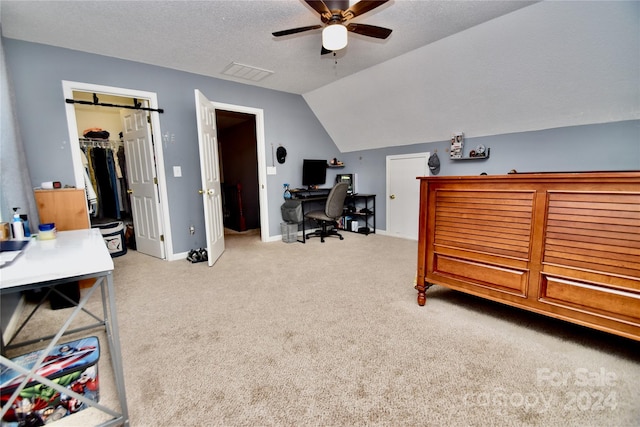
113, 235
72, 365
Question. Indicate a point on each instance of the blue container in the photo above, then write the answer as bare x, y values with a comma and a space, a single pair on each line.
47, 231
50, 226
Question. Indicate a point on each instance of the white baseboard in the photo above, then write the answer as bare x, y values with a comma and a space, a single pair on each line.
178, 256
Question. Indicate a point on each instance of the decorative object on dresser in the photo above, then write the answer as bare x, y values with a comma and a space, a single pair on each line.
566, 245
457, 145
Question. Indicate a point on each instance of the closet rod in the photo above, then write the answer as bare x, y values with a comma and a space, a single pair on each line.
104, 104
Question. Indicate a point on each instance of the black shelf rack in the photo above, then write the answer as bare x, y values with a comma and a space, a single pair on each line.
360, 208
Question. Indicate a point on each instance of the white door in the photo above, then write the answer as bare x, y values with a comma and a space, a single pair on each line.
403, 193
143, 183
210, 171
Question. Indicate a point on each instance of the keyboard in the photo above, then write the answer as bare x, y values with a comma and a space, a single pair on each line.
305, 194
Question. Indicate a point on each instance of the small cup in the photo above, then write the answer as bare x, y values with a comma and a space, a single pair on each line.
47, 231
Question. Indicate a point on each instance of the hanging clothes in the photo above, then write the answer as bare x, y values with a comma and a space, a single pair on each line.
105, 182
105, 190
124, 180
91, 169
113, 180
92, 196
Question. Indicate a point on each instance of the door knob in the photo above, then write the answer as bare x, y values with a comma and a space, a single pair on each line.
393, 196
129, 191
200, 191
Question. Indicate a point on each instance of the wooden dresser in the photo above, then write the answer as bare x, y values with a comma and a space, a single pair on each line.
566, 245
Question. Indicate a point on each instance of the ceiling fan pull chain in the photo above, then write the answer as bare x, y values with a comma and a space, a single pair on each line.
334, 57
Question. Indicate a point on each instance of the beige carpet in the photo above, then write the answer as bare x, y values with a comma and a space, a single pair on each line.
279, 334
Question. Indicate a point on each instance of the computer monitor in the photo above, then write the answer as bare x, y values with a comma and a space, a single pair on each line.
314, 172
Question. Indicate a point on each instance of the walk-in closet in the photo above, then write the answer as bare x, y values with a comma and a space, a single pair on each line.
103, 157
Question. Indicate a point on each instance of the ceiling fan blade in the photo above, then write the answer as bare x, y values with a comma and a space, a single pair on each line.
361, 7
337, 4
369, 30
318, 6
295, 30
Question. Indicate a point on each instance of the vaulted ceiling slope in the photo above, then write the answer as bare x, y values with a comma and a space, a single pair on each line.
550, 65
483, 67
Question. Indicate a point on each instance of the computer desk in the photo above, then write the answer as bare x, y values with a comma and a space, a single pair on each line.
320, 201
73, 255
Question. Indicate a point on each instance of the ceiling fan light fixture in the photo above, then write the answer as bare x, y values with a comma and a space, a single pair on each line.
334, 37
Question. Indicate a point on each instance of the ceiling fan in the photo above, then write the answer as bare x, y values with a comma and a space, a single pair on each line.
334, 14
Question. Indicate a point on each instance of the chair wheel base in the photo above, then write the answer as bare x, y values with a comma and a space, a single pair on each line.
323, 235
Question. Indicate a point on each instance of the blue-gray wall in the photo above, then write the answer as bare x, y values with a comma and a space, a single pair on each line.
37, 71
598, 147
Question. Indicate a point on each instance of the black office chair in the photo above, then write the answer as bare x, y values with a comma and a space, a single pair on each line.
331, 213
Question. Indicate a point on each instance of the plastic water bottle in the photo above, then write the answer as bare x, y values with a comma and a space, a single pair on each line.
287, 193
16, 226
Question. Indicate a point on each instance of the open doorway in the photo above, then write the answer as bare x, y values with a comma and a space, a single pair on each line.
211, 165
251, 164
151, 228
239, 170
101, 145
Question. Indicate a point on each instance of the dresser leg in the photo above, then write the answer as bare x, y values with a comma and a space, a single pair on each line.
421, 290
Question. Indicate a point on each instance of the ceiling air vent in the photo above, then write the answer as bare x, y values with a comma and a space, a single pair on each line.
246, 72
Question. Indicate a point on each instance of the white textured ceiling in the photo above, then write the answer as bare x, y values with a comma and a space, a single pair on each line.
204, 37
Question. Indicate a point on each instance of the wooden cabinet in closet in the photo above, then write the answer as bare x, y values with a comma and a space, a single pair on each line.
66, 207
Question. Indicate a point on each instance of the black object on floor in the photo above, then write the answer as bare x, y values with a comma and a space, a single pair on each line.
71, 290
197, 255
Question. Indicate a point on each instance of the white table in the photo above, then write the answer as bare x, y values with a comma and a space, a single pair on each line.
73, 255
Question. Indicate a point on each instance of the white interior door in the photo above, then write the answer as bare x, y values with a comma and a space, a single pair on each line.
403, 193
210, 171
143, 183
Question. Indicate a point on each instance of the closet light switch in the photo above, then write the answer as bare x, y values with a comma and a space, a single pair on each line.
177, 171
